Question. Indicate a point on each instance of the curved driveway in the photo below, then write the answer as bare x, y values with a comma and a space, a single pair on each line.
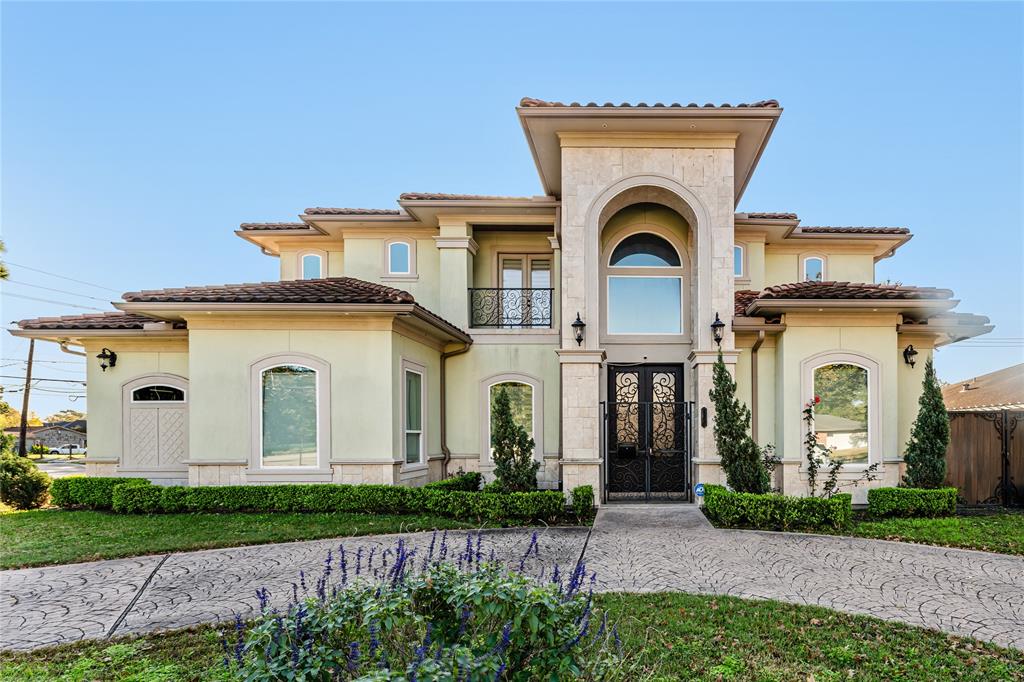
635, 549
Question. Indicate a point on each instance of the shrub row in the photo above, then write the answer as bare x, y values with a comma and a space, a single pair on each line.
582, 503
776, 512
884, 502
545, 505
89, 492
469, 482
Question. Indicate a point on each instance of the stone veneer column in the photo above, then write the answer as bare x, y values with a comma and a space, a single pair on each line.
581, 419
457, 249
706, 462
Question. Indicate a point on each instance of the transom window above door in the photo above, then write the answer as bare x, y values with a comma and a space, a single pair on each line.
644, 250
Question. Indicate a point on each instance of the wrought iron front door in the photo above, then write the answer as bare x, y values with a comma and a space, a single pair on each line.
648, 433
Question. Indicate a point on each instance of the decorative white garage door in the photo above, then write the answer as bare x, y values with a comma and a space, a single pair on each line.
155, 423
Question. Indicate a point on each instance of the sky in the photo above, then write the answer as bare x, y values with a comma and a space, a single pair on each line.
137, 136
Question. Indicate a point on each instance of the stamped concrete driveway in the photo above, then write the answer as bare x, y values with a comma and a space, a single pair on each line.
635, 549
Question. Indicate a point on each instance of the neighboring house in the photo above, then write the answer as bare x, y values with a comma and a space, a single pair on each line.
376, 356
985, 459
49, 435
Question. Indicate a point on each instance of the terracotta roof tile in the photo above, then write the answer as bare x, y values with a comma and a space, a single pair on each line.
110, 320
274, 226
744, 298
328, 290
320, 210
852, 291
853, 230
767, 216
530, 102
440, 196
1001, 389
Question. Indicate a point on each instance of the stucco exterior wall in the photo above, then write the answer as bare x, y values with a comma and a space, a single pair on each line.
365, 259
331, 252
783, 264
404, 351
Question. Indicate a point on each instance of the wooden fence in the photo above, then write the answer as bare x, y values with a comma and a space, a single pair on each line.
985, 459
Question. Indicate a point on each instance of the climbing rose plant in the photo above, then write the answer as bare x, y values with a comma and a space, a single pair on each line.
743, 461
819, 456
926, 450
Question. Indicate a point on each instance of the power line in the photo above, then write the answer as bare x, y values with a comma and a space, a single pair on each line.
47, 300
59, 291
61, 362
70, 279
69, 381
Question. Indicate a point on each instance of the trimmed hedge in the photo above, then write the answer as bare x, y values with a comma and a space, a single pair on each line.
546, 505
776, 512
582, 503
469, 482
883, 502
90, 492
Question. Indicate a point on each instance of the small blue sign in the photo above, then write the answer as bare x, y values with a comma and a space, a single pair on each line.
698, 490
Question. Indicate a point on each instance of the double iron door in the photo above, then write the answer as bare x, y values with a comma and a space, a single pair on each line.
648, 433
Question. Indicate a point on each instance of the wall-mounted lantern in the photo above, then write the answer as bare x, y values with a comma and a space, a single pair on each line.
909, 355
717, 327
577, 329
107, 358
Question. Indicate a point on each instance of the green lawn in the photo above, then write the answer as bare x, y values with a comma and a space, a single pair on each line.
666, 636
51, 536
1002, 533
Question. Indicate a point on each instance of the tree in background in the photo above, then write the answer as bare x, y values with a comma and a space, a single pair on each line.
9, 416
514, 465
4, 272
926, 449
742, 459
65, 416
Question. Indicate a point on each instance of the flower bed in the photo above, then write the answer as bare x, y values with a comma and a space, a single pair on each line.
911, 502
776, 512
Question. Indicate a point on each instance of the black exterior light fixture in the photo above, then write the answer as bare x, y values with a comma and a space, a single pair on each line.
909, 355
716, 329
107, 358
577, 329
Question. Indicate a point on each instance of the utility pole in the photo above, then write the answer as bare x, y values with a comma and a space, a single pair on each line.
24, 399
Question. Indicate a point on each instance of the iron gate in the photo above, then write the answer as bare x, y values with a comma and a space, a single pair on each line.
647, 434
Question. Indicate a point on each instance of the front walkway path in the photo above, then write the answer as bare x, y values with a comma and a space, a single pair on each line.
632, 548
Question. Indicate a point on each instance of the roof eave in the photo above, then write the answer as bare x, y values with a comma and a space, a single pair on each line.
832, 305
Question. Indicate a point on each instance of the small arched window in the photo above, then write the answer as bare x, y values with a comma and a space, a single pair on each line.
737, 260
158, 393
644, 250
399, 258
814, 269
312, 266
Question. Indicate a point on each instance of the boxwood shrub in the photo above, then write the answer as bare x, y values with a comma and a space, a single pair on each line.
885, 502
89, 492
136, 499
776, 512
468, 481
582, 503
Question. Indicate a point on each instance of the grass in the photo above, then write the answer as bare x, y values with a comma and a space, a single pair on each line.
667, 636
1003, 533
51, 536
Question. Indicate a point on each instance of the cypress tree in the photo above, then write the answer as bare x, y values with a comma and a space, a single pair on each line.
926, 449
514, 465
741, 457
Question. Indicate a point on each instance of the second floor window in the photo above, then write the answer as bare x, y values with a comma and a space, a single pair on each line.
311, 266
526, 291
399, 258
645, 287
737, 260
814, 269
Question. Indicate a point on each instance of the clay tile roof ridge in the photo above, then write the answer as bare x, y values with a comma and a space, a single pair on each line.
274, 226
849, 228
444, 196
328, 210
767, 215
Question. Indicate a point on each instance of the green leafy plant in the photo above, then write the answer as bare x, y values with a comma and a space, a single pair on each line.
776, 512
911, 502
583, 502
926, 451
39, 449
461, 480
819, 455
89, 492
514, 465
742, 459
22, 484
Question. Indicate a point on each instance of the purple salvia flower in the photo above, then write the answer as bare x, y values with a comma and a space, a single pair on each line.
263, 596
302, 581
343, 564
464, 619
353, 656
359, 559
618, 641
444, 545
501, 671
295, 593
374, 639
479, 540
369, 559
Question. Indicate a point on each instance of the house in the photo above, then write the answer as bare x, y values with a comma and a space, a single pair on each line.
376, 355
57, 435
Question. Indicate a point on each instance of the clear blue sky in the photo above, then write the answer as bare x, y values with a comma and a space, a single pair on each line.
136, 136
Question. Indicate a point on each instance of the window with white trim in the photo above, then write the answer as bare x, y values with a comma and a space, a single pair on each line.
814, 269
645, 286
399, 258
841, 411
413, 417
312, 266
289, 419
737, 260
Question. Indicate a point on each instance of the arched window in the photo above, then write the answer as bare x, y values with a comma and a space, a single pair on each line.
737, 260
289, 416
645, 287
520, 396
158, 393
814, 269
644, 250
312, 266
399, 258
841, 415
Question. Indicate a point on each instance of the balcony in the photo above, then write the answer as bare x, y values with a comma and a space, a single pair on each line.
510, 308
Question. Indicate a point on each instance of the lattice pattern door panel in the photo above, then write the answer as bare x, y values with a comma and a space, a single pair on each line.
173, 436
144, 441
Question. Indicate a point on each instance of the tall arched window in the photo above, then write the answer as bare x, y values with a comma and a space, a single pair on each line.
645, 286
814, 269
841, 415
737, 260
288, 416
520, 398
312, 266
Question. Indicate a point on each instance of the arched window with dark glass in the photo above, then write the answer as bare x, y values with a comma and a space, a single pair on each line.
644, 250
158, 393
645, 286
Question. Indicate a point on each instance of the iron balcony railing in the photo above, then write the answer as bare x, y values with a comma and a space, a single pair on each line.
494, 308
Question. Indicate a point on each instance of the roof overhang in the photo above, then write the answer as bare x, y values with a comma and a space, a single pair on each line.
913, 308
949, 327
77, 336
787, 232
544, 127
541, 208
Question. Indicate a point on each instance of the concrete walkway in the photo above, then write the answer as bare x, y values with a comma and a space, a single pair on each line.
631, 548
